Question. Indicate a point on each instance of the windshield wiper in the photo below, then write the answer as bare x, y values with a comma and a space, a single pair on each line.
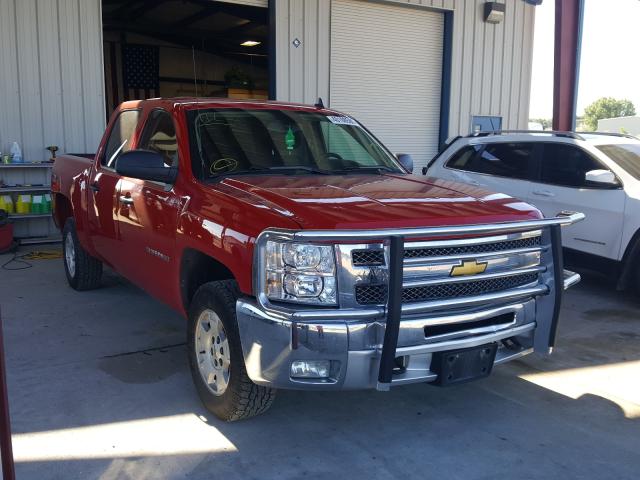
367, 168
300, 167
279, 168
244, 171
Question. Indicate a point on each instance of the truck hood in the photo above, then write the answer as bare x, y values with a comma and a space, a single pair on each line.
376, 201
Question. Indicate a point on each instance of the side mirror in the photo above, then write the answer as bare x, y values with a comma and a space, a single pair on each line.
145, 165
601, 177
406, 161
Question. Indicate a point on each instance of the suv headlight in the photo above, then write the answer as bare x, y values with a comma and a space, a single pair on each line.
300, 272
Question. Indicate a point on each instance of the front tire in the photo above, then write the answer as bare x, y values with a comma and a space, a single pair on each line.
84, 272
215, 356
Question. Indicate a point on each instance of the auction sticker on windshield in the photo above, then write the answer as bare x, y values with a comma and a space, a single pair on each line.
342, 120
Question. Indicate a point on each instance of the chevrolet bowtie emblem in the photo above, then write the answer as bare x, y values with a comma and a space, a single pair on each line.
468, 268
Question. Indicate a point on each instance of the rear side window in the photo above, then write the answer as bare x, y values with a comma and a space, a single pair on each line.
512, 160
120, 137
566, 165
159, 135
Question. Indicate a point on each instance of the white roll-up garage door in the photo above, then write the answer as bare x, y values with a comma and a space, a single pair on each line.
386, 70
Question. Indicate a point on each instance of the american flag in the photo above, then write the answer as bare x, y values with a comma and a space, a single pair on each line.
131, 73
141, 65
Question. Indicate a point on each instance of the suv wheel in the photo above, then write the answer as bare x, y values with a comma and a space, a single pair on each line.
215, 355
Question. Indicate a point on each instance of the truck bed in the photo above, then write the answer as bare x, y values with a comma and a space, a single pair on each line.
66, 167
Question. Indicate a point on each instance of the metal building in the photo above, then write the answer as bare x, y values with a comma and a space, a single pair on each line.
413, 71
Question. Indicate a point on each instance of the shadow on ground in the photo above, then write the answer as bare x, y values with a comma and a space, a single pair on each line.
100, 388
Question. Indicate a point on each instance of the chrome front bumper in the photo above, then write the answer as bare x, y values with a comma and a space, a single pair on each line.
272, 342
384, 345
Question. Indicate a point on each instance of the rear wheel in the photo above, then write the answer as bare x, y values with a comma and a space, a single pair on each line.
84, 272
215, 355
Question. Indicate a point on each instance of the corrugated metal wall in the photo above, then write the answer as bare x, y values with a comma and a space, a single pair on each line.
302, 73
51, 86
491, 64
491, 67
51, 75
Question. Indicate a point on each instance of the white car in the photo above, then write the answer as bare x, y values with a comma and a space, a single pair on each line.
593, 173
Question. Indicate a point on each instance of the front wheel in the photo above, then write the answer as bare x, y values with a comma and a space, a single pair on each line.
215, 355
84, 272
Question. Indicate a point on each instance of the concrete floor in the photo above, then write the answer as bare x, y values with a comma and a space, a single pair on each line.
100, 389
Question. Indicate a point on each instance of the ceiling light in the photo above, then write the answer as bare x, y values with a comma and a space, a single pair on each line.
250, 43
494, 12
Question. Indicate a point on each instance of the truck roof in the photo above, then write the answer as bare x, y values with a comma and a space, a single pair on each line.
213, 102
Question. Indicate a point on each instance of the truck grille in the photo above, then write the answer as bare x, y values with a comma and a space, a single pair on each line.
375, 257
367, 258
371, 294
377, 294
442, 269
481, 248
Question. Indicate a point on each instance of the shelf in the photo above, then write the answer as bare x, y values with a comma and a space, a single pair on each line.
23, 189
26, 165
20, 216
38, 240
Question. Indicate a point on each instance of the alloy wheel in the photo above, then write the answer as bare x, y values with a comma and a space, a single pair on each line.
212, 352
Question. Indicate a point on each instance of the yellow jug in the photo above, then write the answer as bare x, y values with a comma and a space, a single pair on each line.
23, 205
6, 203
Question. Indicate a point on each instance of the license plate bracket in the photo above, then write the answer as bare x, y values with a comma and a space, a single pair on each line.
463, 365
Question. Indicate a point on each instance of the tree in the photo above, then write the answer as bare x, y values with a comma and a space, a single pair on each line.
545, 122
606, 107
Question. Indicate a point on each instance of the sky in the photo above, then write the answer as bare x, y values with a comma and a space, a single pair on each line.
610, 63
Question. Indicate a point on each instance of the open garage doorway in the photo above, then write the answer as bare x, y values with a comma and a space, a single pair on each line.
184, 48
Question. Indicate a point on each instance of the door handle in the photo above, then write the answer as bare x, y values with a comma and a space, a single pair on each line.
94, 187
126, 200
475, 183
544, 193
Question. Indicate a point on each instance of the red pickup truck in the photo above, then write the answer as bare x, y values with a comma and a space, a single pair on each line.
303, 253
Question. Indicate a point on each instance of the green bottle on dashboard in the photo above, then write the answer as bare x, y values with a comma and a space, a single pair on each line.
290, 139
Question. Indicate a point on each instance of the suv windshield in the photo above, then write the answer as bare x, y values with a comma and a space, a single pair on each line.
625, 155
230, 141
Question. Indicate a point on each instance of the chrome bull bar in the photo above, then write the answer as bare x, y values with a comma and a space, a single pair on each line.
563, 219
395, 238
396, 261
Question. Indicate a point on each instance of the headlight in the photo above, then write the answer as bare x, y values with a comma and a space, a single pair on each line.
300, 272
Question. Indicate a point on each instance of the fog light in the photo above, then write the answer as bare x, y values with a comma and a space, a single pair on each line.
310, 369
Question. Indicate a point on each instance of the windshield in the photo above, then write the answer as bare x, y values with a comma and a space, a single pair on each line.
627, 156
230, 141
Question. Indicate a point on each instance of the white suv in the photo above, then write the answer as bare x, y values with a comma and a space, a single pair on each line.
597, 174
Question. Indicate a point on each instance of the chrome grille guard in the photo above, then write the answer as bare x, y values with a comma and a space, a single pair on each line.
562, 220
395, 239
